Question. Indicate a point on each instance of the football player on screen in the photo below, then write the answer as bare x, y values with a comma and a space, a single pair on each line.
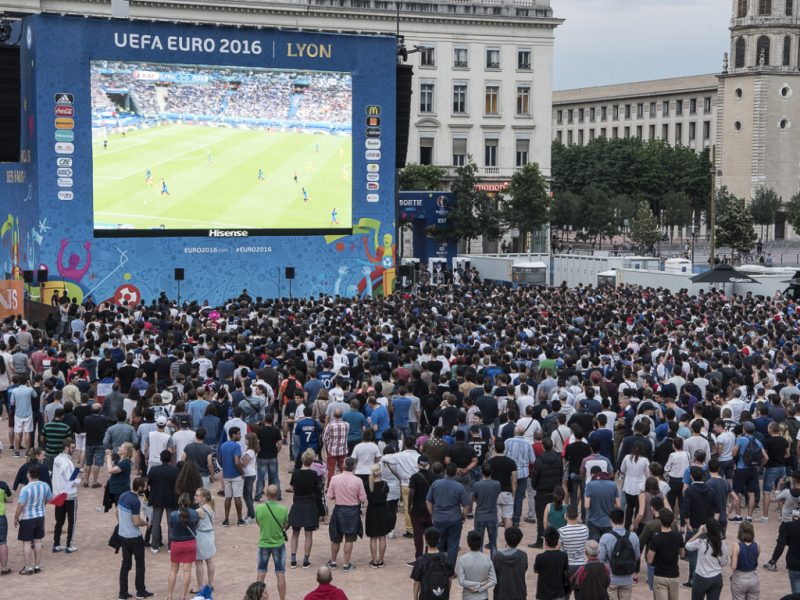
334, 220
148, 176
261, 175
164, 189
305, 196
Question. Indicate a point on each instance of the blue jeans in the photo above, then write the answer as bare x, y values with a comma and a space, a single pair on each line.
490, 527
519, 497
449, 538
691, 556
267, 472
794, 581
595, 532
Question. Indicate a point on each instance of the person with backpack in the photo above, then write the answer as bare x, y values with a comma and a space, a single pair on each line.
432, 571
749, 455
712, 555
619, 549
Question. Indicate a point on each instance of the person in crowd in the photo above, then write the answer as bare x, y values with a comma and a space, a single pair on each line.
665, 549
475, 571
510, 565
592, 579
377, 523
551, 568
745, 583
620, 551
161, 482
131, 516
546, 476
348, 493
790, 512
574, 536
29, 519
204, 536
600, 497
325, 590
304, 514
334, 442
182, 544
231, 453
712, 555
65, 481
249, 475
484, 495
432, 571
448, 504
521, 452
273, 520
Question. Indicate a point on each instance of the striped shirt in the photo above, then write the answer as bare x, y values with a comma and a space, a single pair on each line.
33, 496
573, 542
521, 452
55, 433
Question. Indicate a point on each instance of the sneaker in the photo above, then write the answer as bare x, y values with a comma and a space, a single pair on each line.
736, 519
306, 564
26, 571
16, 455
154, 550
537, 545
330, 564
763, 520
144, 595
749, 519
687, 584
411, 563
349, 567
37, 569
372, 563
408, 535
391, 535
225, 523
293, 564
58, 548
70, 549
381, 564
241, 522
770, 566
530, 519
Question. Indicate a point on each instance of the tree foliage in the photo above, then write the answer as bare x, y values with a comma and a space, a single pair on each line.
676, 210
463, 221
734, 223
416, 177
524, 204
644, 228
765, 206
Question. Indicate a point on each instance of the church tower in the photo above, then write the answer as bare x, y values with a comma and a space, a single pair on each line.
758, 121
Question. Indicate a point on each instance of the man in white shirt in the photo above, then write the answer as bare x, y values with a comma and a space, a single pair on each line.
157, 441
407, 463
525, 399
63, 483
736, 405
183, 437
529, 425
236, 421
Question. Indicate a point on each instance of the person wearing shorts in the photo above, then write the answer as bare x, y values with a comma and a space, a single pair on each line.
272, 519
230, 454
183, 545
29, 518
347, 491
745, 479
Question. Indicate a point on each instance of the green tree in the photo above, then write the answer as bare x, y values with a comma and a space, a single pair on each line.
488, 216
793, 211
676, 210
764, 207
596, 217
734, 223
416, 177
565, 211
462, 222
525, 202
644, 228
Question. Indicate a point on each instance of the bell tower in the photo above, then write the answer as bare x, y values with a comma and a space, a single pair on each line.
758, 120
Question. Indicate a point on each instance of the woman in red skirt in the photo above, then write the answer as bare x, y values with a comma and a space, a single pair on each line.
183, 547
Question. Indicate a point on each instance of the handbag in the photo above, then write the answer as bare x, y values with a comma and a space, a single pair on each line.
114, 541
283, 531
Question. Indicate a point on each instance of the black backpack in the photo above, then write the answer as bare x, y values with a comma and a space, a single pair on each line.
623, 558
752, 453
435, 584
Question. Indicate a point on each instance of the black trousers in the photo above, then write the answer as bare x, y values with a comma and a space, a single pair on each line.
65, 512
132, 548
541, 502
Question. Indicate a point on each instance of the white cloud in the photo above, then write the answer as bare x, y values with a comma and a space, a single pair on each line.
616, 41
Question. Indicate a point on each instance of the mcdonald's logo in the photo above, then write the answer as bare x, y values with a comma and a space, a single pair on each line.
373, 110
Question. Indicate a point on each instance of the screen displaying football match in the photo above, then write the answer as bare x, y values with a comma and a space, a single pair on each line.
183, 148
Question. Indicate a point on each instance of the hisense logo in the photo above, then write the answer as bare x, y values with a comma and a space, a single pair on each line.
227, 233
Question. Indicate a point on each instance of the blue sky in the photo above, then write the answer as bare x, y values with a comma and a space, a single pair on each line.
617, 41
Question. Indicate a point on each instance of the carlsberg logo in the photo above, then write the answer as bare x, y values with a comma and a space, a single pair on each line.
226, 233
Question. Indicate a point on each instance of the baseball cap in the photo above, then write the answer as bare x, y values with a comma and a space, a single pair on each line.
422, 460
161, 420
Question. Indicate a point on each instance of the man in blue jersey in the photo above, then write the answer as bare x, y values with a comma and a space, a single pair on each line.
309, 432
129, 515
164, 189
29, 518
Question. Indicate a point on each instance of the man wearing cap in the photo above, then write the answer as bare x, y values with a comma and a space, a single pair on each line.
418, 486
745, 479
156, 442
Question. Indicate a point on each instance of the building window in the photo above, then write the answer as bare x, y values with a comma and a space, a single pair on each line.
639, 132
740, 52
741, 9
692, 131
493, 58
665, 108
569, 138
524, 59
706, 130
640, 110
523, 149
570, 113
460, 99
559, 137
559, 117
652, 135
427, 57
602, 132
707, 104
426, 151
678, 134
665, 131
523, 100
615, 112
426, 98
459, 152
693, 106
591, 135
581, 113
764, 7
580, 137
627, 132
614, 133
762, 50
678, 107
603, 113
789, 7
652, 110
627, 111
787, 51
592, 114
490, 153
460, 58
492, 93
